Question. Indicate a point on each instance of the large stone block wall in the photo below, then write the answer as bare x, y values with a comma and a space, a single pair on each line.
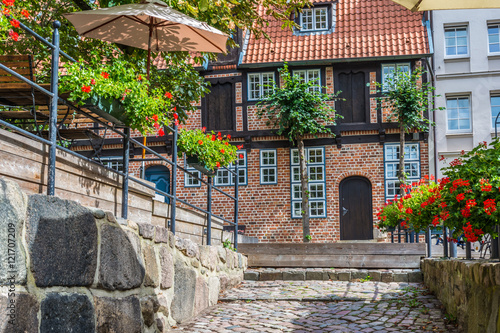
67, 268
469, 290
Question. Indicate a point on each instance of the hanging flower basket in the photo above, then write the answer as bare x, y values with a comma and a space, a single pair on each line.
195, 162
110, 109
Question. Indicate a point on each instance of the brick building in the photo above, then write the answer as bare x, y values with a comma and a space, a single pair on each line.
346, 45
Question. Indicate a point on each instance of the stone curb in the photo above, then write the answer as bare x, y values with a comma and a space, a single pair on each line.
297, 274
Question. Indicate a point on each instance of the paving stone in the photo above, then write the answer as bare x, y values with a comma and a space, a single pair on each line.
251, 276
344, 276
359, 274
315, 275
415, 276
375, 275
294, 275
400, 277
386, 277
271, 276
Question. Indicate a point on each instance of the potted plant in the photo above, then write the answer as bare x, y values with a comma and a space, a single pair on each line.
206, 152
118, 93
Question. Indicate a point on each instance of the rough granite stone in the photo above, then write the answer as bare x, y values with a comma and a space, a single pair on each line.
375, 275
67, 313
152, 278
240, 260
119, 268
149, 306
222, 253
213, 290
161, 235
62, 242
167, 268
118, 314
201, 295
293, 276
13, 205
229, 258
333, 275
271, 276
146, 230
164, 305
252, 276
160, 325
110, 217
208, 257
191, 249
98, 213
171, 239
182, 308
224, 281
25, 317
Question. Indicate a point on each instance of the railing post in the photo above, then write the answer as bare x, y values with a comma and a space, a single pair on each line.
126, 153
54, 82
428, 236
468, 250
399, 234
173, 202
445, 241
209, 210
236, 183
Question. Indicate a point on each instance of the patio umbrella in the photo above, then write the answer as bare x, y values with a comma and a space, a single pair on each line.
423, 5
150, 25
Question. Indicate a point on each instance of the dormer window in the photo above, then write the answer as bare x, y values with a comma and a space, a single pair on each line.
314, 19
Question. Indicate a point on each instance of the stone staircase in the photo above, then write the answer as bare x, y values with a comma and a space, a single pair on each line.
326, 274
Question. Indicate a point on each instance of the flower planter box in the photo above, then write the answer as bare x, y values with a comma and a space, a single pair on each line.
194, 162
108, 108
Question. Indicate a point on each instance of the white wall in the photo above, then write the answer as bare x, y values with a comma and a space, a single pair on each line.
477, 75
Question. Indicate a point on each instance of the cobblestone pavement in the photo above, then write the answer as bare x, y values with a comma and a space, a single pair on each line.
322, 306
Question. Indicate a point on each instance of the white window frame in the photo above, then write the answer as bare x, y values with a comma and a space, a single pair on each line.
257, 89
314, 22
304, 74
190, 181
391, 158
313, 162
490, 43
388, 72
113, 162
242, 171
267, 166
493, 115
458, 117
456, 45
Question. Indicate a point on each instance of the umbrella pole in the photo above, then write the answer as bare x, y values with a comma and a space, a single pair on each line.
148, 65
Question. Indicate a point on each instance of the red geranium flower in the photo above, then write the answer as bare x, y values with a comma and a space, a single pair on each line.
161, 132
8, 2
105, 75
25, 13
229, 136
222, 151
156, 125
409, 211
226, 143
168, 95
139, 78
155, 117
92, 81
200, 142
239, 147
6, 11
213, 137
176, 116
460, 197
203, 129
86, 89
242, 156
14, 35
218, 164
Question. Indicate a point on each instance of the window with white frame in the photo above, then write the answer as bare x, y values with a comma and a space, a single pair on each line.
391, 167
314, 19
495, 110
494, 38
259, 85
113, 162
388, 73
458, 114
190, 181
226, 178
456, 41
268, 166
308, 75
316, 182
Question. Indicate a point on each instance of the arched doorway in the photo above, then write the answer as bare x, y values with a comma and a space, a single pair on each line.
160, 175
356, 218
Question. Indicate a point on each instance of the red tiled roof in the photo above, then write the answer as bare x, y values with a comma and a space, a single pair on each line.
364, 29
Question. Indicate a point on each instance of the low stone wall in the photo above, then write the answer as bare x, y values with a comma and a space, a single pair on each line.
67, 268
470, 291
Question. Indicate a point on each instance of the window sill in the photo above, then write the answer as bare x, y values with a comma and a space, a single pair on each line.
494, 56
459, 135
457, 59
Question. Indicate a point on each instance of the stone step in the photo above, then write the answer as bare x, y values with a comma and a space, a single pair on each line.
325, 274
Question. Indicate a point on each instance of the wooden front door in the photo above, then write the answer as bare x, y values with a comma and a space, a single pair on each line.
356, 219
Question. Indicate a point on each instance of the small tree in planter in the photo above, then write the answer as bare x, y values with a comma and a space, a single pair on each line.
407, 98
296, 109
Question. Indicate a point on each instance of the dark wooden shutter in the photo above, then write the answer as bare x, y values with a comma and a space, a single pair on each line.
353, 87
219, 107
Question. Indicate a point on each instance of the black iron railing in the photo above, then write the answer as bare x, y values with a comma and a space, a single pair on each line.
55, 100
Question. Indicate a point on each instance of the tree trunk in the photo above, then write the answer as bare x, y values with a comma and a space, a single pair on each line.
305, 189
401, 175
